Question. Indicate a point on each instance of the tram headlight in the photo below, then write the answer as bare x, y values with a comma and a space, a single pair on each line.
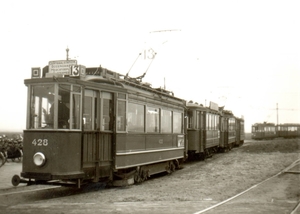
39, 159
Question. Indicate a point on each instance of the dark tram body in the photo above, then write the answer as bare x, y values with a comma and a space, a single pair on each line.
288, 130
263, 131
91, 124
240, 131
212, 129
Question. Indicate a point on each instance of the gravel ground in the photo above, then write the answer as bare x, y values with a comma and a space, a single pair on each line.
216, 178
198, 185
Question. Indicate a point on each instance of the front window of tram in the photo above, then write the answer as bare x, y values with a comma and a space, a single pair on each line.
48, 111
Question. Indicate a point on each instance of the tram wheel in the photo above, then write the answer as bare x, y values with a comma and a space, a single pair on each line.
15, 180
172, 167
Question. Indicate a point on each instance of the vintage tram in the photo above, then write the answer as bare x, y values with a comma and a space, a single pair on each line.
212, 129
288, 130
263, 131
240, 131
92, 124
203, 130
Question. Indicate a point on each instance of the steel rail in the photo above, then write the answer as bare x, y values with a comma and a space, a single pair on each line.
247, 190
32, 190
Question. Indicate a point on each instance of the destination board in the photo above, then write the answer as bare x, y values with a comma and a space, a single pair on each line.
214, 106
61, 66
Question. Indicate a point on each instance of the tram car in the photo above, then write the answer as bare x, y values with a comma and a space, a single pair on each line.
92, 124
228, 131
95, 124
240, 131
288, 130
264, 130
203, 130
212, 129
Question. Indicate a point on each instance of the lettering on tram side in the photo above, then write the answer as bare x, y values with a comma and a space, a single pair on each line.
40, 142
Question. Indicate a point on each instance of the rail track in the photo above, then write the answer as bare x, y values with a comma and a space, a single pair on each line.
20, 190
289, 169
185, 191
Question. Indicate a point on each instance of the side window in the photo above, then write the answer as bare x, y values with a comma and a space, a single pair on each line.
177, 122
121, 121
90, 110
121, 115
226, 124
87, 112
76, 121
76, 104
107, 110
152, 119
63, 107
208, 121
136, 114
166, 121
190, 119
202, 120
197, 120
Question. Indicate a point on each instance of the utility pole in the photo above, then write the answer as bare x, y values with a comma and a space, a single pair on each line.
67, 53
277, 112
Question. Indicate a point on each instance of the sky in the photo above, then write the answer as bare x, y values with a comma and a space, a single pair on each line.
244, 55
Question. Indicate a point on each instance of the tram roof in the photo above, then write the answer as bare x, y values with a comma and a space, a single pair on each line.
96, 75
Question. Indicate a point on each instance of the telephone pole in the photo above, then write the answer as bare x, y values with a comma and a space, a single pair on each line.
277, 112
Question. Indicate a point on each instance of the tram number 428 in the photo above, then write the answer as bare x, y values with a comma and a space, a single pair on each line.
40, 142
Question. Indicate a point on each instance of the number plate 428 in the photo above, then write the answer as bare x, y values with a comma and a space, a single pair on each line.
40, 142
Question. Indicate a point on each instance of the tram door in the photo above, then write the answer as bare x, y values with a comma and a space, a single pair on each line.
97, 133
226, 131
200, 127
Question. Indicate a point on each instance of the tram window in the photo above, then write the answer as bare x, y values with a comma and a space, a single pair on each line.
197, 120
230, 124
152, 119
63, 106
208, 121
190, 119
222, 124
166, 121
136, 114
41, 100
177, 122
90, 110
202, 120
225, 124
51, 105
107, 120
87, 113
76, 112
121, 117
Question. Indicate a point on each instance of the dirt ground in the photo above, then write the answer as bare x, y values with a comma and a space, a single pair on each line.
198, 185
217, 178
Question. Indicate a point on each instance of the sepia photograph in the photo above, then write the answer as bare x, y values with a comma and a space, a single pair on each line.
158, 107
